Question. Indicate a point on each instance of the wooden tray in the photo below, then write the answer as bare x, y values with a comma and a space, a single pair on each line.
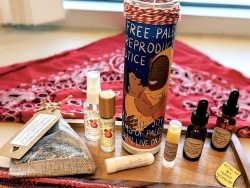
184, 174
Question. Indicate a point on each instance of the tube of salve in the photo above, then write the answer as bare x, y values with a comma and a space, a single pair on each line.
172, 141
127, 162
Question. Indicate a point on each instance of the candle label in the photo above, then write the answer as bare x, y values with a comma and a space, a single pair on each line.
170, 151
107, 133
193, 147
148, 58
221, 137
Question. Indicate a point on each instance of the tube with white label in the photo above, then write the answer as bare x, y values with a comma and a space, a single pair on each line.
172, 142
127, 162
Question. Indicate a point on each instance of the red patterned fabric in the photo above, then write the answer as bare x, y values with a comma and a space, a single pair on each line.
6, 181
193, 76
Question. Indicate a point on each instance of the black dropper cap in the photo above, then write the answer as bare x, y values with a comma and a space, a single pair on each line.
200, 116
230, 107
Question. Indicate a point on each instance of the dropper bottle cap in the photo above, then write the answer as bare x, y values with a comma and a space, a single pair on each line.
93, 87
107, 104
200, 116
230, 107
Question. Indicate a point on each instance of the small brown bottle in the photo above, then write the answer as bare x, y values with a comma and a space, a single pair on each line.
225, 123
196, 132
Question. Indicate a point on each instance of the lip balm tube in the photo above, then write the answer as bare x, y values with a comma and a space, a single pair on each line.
127, 162
172, 141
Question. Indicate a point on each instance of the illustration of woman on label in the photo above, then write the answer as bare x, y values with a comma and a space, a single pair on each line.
139, 111
157, 84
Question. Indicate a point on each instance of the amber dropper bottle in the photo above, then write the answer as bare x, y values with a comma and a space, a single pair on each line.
225, 123
196, 132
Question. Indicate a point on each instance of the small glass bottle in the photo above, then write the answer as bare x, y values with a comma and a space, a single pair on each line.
225, 123
172, 141
196, 132
107, 120
91, 106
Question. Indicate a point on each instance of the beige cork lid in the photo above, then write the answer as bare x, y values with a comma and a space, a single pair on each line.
107, 104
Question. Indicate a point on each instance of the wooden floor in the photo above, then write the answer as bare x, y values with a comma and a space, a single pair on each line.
20, 45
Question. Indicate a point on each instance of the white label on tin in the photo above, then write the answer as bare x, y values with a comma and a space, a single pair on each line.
221, 137
33, 129
193, 147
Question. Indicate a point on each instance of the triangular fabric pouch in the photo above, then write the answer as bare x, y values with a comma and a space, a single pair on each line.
59, 152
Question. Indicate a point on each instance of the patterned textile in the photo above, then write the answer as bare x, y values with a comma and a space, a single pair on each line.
193, 76
6, 181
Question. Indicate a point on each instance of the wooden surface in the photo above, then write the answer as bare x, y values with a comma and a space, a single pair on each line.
184, 173
241, 159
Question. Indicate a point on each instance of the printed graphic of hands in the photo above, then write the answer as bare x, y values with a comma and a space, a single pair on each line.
93, 123
108, 133
132, 122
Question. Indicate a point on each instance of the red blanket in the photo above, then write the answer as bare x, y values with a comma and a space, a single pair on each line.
193, 76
